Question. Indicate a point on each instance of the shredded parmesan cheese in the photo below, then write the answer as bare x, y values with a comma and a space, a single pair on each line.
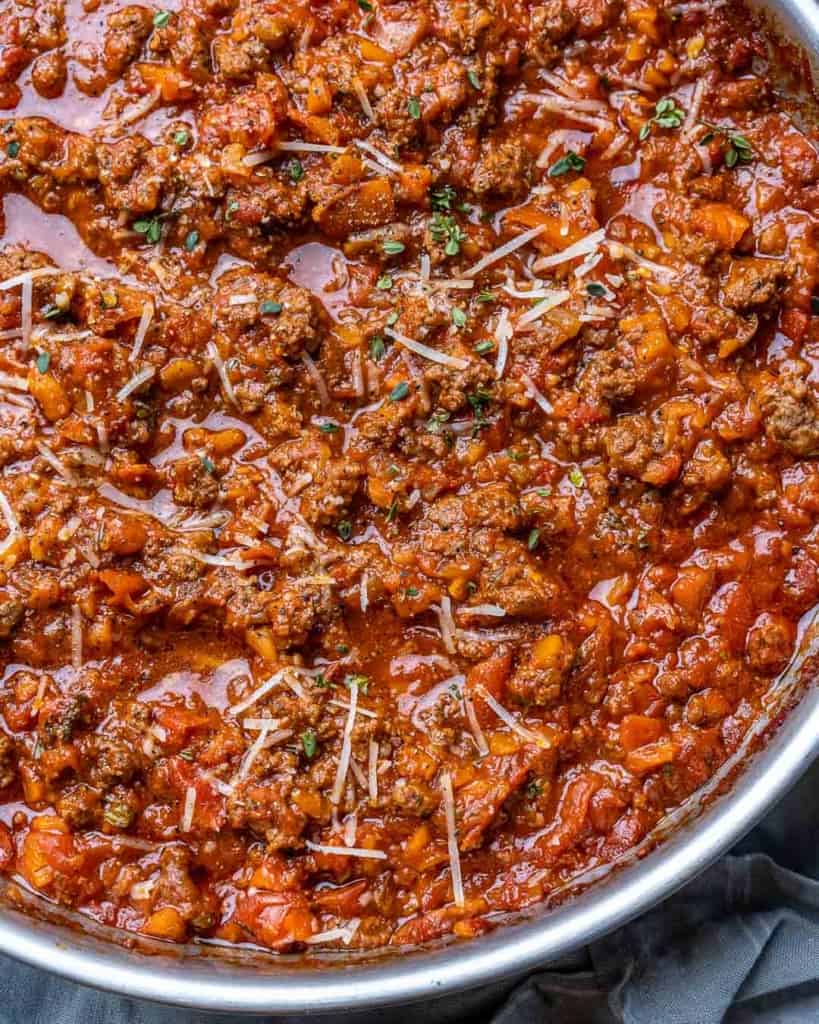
484, 609
76, 638
452, 840
363, 99
426, 352
536, 394
588, 244
187, 811
134, 383
30, 275
503, 335
556, 298
216, 359
363, 592
447, 623
372, 770
318, 380
8, 380
475, 726
346, 748
258, 693
511, 721
504, 250
142, 330
379, 157
55, 463
26, 300
261, 156
308, 147
345, 851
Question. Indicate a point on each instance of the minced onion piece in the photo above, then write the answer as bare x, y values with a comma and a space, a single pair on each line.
242, 299
135, 382
345, 851
452, 840
316, 377
589, 243
536, 394
426, 352
505, 250
379, 157
511, 721
187, 811
372, 770
216, 359
346, 748
555, 298
142, 330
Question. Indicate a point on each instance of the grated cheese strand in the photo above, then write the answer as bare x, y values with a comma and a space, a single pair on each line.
372, 770
504, 250
452, 840
216, 359
345, 851
142, 330
511, 721
583, 246
381, 158
426, 352
346, 748
188, 809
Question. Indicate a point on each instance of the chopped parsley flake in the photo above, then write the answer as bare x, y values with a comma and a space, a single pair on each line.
12, 149
576, 476
365, 5
739, 151
399, 392
411, 592
666, 115
296, 170
597, 291
384, 283
328, 427
392, 319
308, 739
486, 297
484, 346
269, 307
151, 227
474, 81
192, 240
441, 199
570, 162
345, 529
52, 312
43, 362
161, 19
377, 348
533, 539
392, 248
209, 464
414, 108
181, 137
446, 230
458, 317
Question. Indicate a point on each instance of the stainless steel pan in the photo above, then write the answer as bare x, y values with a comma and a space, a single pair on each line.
212, 979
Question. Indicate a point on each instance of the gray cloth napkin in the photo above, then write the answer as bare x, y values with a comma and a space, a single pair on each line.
740, 944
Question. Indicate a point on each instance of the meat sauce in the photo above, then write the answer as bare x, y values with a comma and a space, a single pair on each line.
408, 430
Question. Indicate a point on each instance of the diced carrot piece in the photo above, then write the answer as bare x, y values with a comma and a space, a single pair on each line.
166, 923
319, 97
639, 730
721, 223
651, 756
49, 394
372, 51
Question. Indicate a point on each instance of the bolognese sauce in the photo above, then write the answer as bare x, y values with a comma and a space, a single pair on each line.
408, 432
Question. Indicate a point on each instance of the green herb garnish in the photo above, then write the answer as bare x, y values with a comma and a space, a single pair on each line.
570, 162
